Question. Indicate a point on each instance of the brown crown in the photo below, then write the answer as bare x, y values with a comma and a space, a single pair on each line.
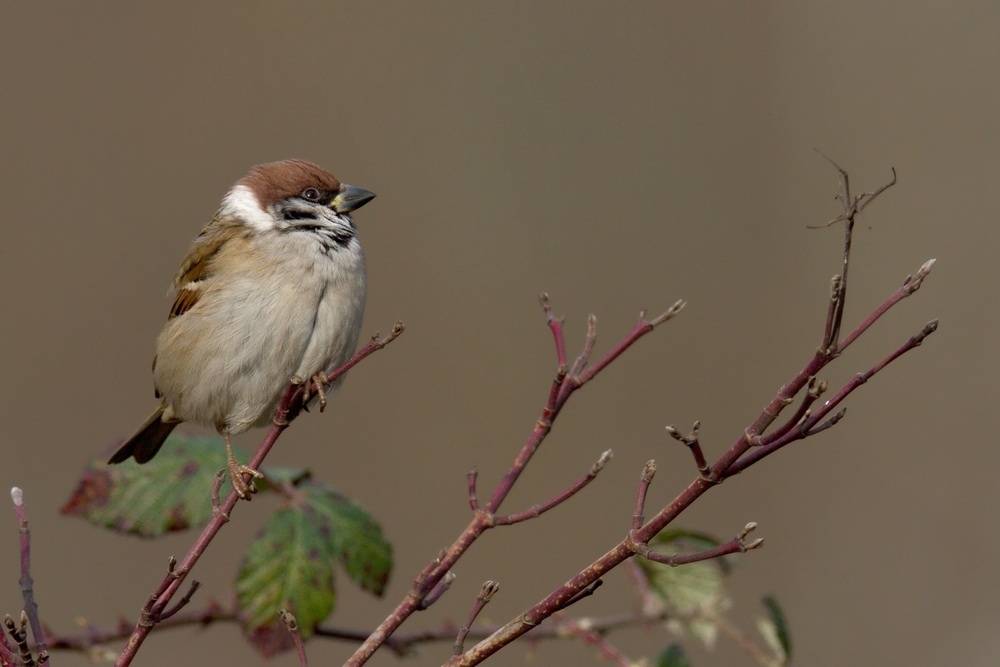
275, 181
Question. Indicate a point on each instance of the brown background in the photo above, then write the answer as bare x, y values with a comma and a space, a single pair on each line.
617, 156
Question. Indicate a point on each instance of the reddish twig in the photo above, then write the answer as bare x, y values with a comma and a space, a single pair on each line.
909, 286
486, 594
439, 589
726, 465
27, 583
483, 519
812, 424
536, 510
293, 629
473, 498
692, 443
736, 545
183, 602
555, 324
288, 409
639, 514
813, 391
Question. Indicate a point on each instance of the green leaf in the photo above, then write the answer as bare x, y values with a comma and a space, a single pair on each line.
775, 628
170, 493
291, 563
289, 566
693, 594
356, 538
673, 656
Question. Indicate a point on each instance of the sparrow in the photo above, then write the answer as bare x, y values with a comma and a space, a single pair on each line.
271, 292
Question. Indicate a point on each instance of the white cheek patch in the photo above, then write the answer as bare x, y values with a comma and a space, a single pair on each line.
242, 203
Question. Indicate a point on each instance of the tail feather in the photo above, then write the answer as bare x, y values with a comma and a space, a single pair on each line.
146, 442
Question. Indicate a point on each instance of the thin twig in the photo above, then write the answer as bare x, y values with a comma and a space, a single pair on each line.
183, 602
638, 514
537, 510
293, 629
439, 589
471, 480
806, 428
694, 445
483, 519
486, 593
27, 583
288, 409
722, 468
736, 545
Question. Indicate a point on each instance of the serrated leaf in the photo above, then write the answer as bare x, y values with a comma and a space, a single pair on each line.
291, 564
775, 628
356, 537
673, 656
170, 493
693, 593
288, 566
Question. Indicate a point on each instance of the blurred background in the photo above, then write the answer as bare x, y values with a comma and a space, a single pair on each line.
617, 157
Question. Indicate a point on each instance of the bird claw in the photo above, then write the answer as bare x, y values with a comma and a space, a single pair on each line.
316, 386
244, 489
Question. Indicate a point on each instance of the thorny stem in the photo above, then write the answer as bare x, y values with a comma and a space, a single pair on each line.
288, 409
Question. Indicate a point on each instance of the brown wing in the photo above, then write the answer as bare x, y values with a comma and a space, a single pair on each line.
197, 266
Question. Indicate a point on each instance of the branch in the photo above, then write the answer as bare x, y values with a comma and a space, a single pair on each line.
812, 425
736, 545
293, 628
537, 510
27, 583
563, 386
487, 592
638, 539
289, 408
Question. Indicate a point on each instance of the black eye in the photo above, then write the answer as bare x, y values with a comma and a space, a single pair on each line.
310, 194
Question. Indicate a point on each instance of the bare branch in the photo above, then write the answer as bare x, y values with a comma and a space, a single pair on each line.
641, 328
195, 585
585, 593
473, 498
439, 589
692, 443
537, 510
487, 592
588, 347
736, 545
807, 427
27, 583
648, 472
555, 324
909, 286
293, 628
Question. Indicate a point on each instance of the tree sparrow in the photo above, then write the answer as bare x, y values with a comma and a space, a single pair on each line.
272, 292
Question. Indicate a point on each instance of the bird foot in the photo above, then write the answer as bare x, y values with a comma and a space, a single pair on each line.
316, 386
244, 489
